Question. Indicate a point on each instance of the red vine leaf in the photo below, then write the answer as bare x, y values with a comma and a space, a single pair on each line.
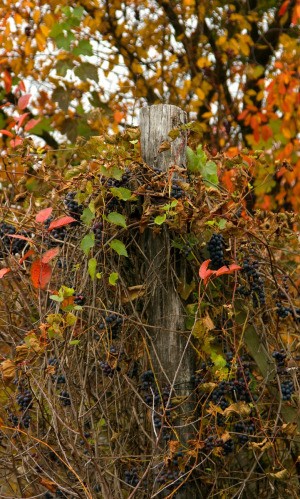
20, 120
27, 255
31, 124
16, 142
23, 101
205, 272
40, 274
7, 132
43, 215
17, 236
60, 222
50, 254
4, 271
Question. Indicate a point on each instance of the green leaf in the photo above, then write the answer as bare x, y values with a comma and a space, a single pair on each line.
87, 242
160, 219
61, 97
114, 276
71, 319
64, 41
218, 360
92, 265
99, 275
119, 247
74, 342
87, 71
57, 298
87, 216
168, 206
121, 193
117, 219
193, 164
83, 48
222, 223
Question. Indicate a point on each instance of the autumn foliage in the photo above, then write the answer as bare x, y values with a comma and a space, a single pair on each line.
83, 413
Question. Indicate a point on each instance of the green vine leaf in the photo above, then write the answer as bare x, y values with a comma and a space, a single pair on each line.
119, 247
117, 219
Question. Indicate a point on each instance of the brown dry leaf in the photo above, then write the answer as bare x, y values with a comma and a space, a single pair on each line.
22, 352
208, 323
48, 484
214, 409
132, 293
164, 146
173, 446
262, 446
8, 370
208, 387
239, 407
289, 428
280, 475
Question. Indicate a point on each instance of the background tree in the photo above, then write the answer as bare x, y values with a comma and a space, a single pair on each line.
233, 66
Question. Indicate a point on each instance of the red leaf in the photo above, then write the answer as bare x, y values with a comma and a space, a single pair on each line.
228, 270
50, 254
40, 274
27, 255
7, 81
234, 267
31, 124
17, 236
6, 132
4, 271
16, 142
205, 272
23, 101
43, 215
60, 222
20, 120
21, 86
283, 8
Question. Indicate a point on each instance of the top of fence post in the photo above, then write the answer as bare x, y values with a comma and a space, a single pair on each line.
156, 122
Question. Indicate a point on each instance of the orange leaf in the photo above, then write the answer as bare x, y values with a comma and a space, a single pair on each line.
40, 274
283, 8
21, 86
6, 132
118, 116
23, 101
27, 255
43, 215
31, 124
4, 271
50, 254
60, 222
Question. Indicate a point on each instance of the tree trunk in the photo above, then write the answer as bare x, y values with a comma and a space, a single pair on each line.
171, 354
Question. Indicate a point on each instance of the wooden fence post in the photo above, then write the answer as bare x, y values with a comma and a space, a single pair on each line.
172, 356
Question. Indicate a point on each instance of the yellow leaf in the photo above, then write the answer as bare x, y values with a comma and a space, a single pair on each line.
200, 93
289, 428
45, 30
36, 15
40, 40
137, 68
203, 62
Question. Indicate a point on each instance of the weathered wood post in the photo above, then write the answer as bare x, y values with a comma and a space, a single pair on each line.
171, 353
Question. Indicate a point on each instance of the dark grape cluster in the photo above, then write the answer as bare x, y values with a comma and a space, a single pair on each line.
160, 400
215, 248
10, 244
255, 282
74, 209
169, 472
280, 359
113, 322
97, 228
287, 389
228, 446
131, 477
24, 400
282, 311
56, 236
106, 369
60, 379
64, 398
79, 299
176, 191
53, 361
243, 430
25, 420
213, 441
13, 419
